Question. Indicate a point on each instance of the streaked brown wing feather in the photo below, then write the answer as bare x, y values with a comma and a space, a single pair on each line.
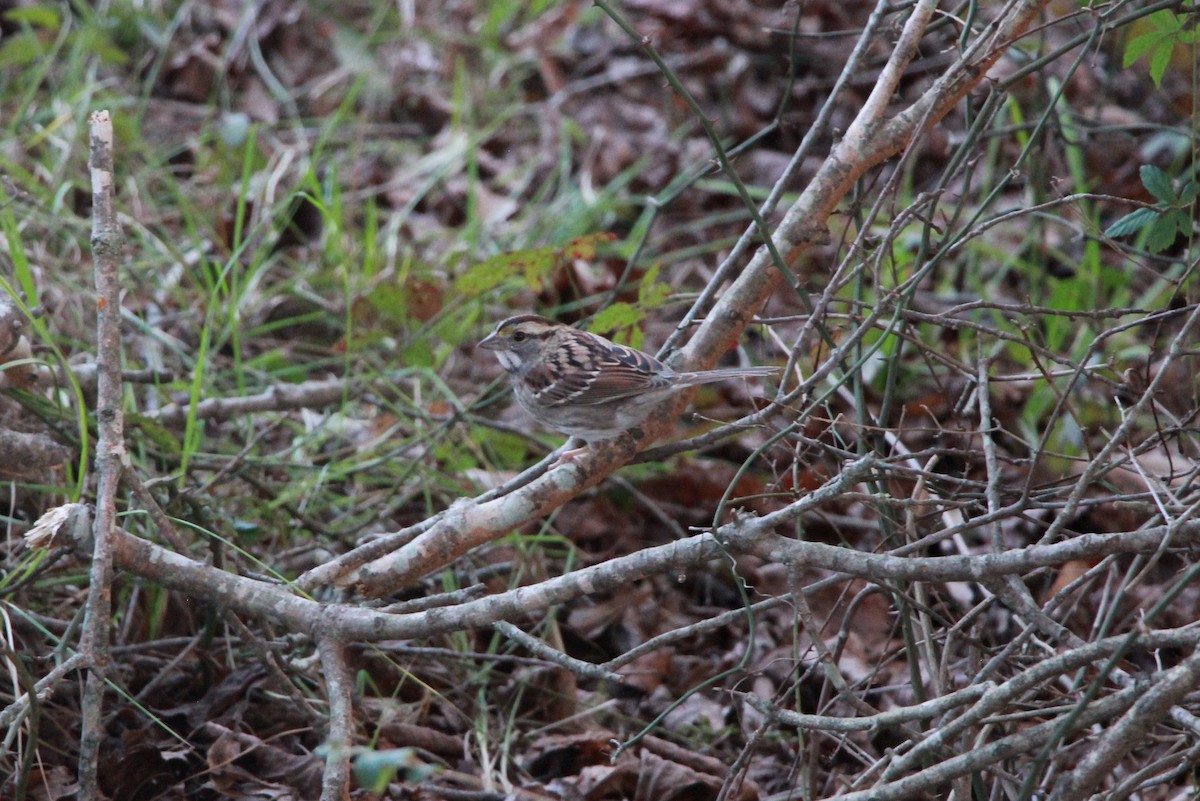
553, 391
598, 371
626, 372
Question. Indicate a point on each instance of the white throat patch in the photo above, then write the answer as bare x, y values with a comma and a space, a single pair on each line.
508, 360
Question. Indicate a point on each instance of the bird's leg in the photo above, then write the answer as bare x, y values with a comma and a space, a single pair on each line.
570, 454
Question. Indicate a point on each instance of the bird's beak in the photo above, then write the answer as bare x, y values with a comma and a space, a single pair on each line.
490, 342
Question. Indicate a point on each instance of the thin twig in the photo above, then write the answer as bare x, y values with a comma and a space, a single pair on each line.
110, 448
339, 686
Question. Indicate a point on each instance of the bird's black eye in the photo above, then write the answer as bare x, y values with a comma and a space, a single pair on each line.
518, 336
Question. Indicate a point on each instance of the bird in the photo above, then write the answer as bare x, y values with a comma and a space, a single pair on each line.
583, 385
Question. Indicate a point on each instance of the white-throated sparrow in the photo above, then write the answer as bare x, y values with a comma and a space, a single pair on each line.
584, 385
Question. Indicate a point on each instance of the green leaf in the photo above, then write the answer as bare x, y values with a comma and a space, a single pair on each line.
35, 16
1166, 33
652, 293
389, 301
623, 321
1166, 21
1140, 45
532, 266
418, 353
1161, 234
1133, 222
1189, 191
20, 50
529, 266
1160, 59
1158, 183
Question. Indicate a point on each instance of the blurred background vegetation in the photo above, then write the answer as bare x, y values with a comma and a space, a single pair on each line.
343, 197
